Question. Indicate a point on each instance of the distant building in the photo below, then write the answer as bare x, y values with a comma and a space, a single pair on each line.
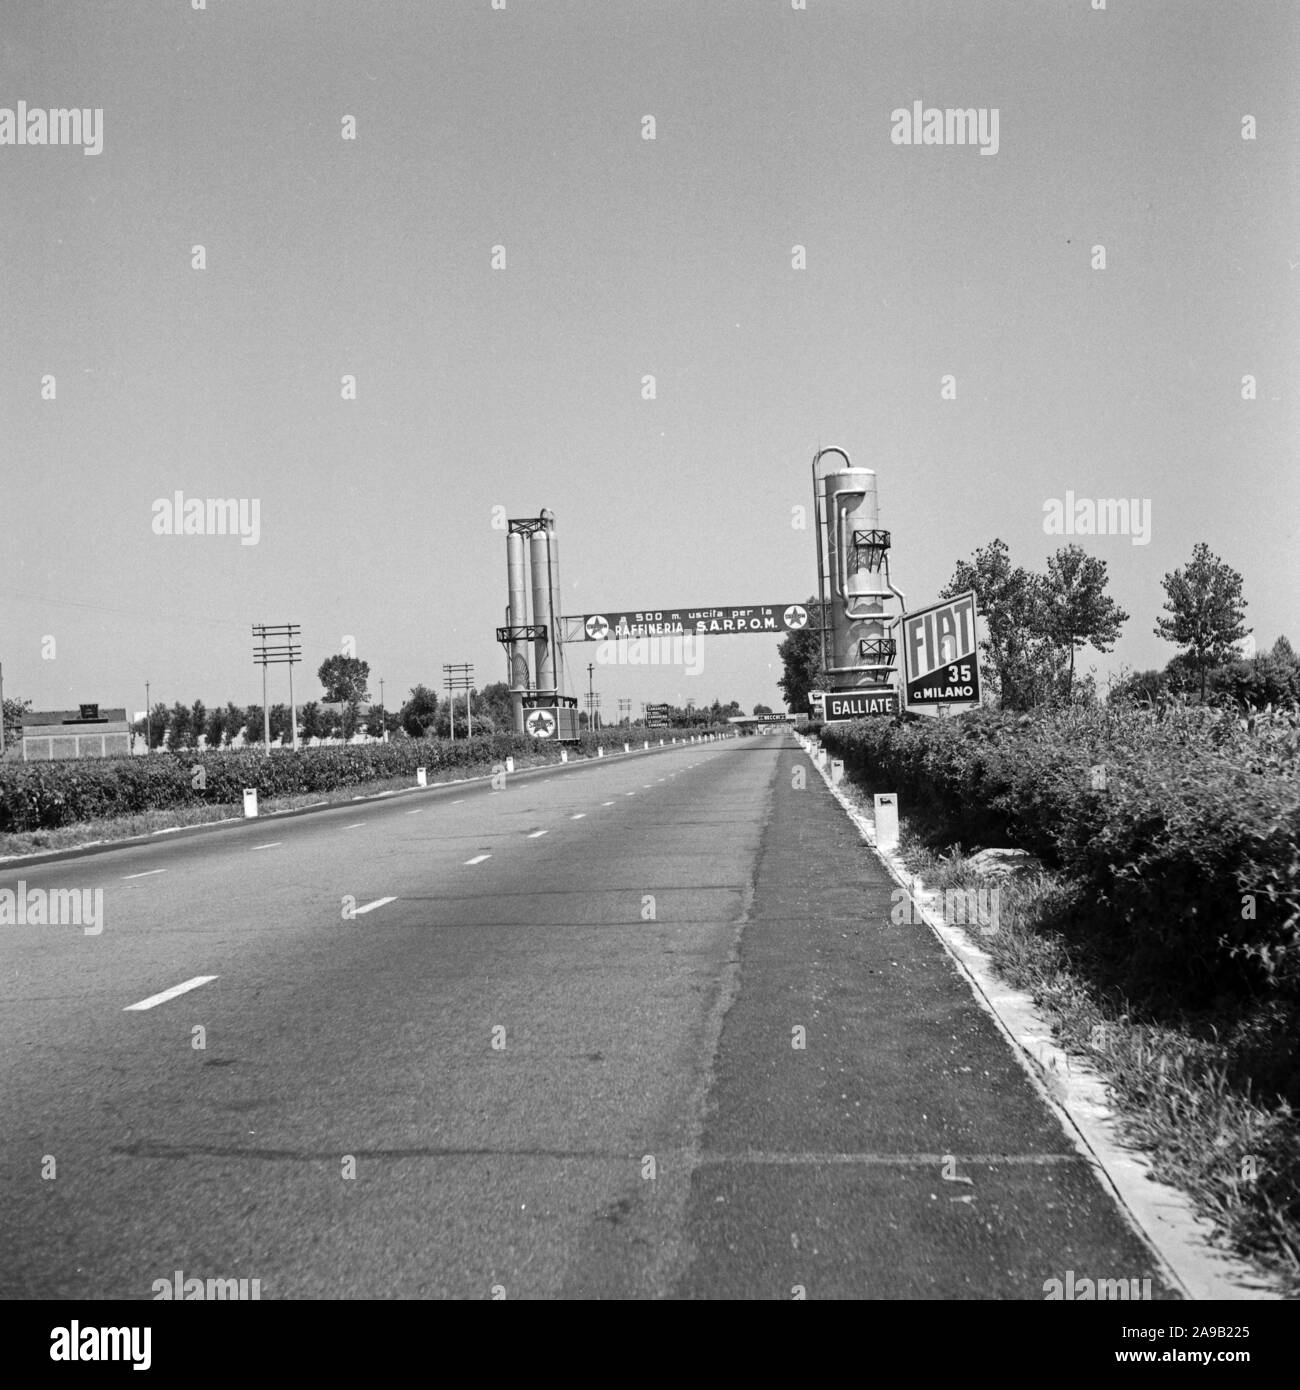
87, 732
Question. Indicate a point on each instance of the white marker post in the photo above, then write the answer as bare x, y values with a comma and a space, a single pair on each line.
250, 802
887, 821
421, 777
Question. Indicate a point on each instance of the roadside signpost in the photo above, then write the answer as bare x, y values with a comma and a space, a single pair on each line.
843, 705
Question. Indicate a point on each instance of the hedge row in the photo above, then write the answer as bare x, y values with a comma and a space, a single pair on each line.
1196, 831
44, 796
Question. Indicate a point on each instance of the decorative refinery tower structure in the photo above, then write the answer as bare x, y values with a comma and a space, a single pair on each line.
537, 705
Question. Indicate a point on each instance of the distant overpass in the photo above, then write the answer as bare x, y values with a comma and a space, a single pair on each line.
761, 723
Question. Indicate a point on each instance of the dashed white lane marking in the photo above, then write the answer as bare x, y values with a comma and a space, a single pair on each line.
478, 858
533, 834
578, 815
356, 825
629, 793
167, 994
416, 812
272, 845
457, 801
146, 874
606, 803
370, 907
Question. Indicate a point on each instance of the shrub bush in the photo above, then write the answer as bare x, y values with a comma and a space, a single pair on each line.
45, 796
1189, 859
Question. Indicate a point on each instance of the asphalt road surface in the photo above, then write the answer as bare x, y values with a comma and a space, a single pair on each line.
555, 1056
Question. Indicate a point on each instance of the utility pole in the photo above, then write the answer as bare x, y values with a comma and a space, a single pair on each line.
591, 696
458, 676
148, 721
286, 651
383, 713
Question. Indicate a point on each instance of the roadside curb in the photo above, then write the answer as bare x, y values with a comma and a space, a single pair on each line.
1162, 1216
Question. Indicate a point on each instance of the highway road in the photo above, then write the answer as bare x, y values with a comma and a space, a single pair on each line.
553, 1055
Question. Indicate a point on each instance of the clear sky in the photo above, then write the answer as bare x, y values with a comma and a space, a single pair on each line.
521, 388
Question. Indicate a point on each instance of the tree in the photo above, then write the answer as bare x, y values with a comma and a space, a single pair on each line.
198, 718
1206, 611
419, 714
494, 700
156, 726
762, 709
801, 659
442, 724
379, 722
13, 720
345, 680
309, 720
234, 721
1023, 662
214, 727
179, 734
253, 730
1077, 610
280, 730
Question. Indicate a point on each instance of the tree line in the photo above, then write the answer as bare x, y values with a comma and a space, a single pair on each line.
1036, 622
343, 713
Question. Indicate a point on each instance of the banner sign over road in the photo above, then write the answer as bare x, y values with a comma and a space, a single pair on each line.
667, 622
940, 662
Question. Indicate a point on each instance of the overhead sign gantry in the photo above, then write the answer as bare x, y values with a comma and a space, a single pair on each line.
863, 616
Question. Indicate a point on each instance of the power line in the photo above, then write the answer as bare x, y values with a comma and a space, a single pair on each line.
120, 612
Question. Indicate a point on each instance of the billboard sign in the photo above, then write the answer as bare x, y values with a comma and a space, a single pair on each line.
696, 622
941, 672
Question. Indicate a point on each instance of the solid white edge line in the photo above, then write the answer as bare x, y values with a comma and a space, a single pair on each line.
274, 844
1162, 1216
145, 874
167, 994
